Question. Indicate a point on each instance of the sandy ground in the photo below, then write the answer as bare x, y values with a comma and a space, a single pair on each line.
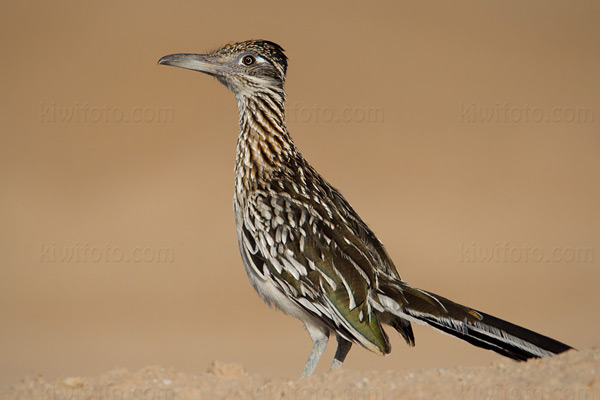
574, 375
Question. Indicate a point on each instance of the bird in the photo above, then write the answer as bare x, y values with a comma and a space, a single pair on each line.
305, 249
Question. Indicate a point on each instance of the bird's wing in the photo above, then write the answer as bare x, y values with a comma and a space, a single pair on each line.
324, 267
383, 262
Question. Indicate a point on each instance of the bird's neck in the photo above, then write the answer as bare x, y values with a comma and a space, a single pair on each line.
264, 144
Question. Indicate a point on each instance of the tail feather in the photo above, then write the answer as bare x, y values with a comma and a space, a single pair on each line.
478, 328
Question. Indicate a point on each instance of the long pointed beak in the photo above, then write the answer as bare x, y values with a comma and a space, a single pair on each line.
196, 62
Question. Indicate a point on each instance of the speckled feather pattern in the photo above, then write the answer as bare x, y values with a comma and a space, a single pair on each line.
309, 253
306, 250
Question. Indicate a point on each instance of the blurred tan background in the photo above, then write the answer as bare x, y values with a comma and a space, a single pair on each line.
467, 136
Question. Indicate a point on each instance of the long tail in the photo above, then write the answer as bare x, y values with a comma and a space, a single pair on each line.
409, 303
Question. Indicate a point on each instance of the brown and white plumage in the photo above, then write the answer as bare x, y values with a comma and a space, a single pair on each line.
305, 249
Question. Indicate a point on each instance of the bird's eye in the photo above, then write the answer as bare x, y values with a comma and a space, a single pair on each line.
248, 60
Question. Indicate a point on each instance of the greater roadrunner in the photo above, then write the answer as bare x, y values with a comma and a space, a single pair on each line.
306, 250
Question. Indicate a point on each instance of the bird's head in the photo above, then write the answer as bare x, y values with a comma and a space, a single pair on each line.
244, 68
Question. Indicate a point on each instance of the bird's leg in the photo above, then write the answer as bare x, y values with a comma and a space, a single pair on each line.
317, 351
342, 351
